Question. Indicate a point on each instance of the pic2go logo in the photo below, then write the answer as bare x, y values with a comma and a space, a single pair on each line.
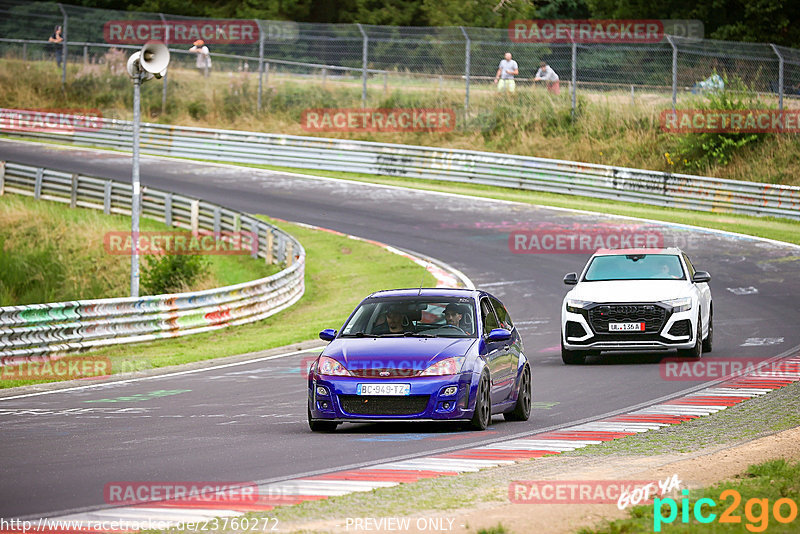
756, 511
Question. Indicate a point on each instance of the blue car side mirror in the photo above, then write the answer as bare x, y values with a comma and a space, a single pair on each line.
499, 334
329, 334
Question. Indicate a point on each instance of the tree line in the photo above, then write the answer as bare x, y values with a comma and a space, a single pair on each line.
774, 21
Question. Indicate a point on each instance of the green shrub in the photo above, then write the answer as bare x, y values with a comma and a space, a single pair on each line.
698, 151
172, 273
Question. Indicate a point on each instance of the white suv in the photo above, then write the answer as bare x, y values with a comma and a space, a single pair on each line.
645, 299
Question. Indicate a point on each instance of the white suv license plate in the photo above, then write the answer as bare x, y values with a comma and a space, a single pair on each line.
626, 327
384, 389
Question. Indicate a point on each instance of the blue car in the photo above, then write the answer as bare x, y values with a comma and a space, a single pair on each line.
421, 355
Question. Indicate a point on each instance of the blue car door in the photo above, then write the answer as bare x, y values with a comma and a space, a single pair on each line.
496, 354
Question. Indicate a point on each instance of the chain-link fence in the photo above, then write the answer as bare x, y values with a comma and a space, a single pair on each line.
336, 65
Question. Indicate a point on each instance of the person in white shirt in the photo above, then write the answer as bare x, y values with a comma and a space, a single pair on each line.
203, 56
549, 77
506, 71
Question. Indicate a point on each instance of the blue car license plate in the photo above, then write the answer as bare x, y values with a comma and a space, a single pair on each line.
384, 389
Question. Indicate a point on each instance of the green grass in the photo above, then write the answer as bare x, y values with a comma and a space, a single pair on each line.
770, 481
51, 253
339, 273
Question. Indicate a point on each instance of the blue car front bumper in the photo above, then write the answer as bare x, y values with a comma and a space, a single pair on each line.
426, 400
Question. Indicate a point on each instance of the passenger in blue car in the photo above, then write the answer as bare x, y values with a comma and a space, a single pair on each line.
395, 322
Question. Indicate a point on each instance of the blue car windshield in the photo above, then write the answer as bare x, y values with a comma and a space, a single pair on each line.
635, 267
412, 317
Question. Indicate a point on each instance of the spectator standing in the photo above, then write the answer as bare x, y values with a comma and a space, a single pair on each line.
506, 71
57, 39
203, 56
549, 77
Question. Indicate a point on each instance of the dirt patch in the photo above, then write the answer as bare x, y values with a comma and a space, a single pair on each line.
695, 469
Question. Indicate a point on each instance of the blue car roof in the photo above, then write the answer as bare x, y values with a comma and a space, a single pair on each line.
427, 292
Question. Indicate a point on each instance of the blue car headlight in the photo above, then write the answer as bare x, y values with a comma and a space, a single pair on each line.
330, 367
448, 366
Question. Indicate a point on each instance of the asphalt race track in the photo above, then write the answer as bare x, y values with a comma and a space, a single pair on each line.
248, 422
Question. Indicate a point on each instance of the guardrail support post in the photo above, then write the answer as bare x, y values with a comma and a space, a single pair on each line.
674, 72
574, 77
194, 216
467, 55
2, 178
217, 220
260, 64
237, 222
254, 233
780, 76
37, 185
73, 192
107, 197
364, 57
168, 209
289, 253
270, 244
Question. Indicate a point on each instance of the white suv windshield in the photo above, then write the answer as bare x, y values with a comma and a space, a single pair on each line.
635, 267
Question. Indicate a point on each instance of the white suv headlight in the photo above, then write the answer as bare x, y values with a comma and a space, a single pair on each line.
679, 305
575, 305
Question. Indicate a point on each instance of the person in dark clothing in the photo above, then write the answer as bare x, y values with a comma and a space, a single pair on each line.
57, 39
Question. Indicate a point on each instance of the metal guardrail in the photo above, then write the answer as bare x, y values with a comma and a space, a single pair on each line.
519, 172
40, 330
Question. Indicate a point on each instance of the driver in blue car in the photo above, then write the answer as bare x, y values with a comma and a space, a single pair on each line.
453, 315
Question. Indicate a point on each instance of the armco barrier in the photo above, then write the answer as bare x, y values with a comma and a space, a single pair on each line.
40, 330
520, 172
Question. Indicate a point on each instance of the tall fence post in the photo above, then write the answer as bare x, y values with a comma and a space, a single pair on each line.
674, 72
166, 74
574, 83
260, 64
780, 76
467, 54
364, 57
63, 45
85, 54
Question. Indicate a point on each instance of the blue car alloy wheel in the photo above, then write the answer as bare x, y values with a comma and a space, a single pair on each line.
443, 355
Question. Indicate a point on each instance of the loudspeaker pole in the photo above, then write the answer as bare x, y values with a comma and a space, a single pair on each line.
136, 200
150, 61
